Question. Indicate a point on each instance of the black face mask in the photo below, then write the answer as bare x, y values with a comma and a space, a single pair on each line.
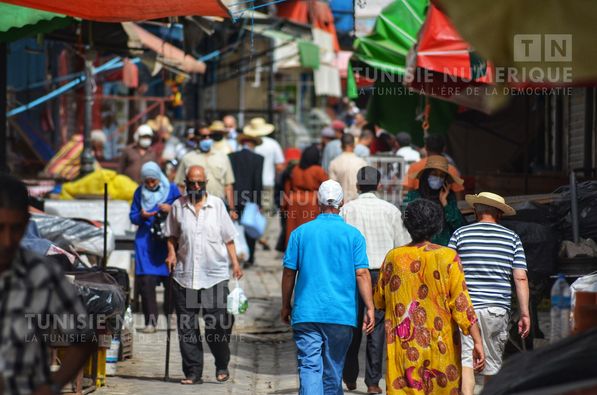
196, 195
217, 136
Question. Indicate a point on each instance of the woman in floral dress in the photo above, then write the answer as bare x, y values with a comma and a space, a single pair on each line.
423, 292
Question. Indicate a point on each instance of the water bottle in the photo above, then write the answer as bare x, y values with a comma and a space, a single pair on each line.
560, 309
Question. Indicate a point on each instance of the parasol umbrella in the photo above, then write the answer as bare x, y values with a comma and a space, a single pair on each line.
445, 66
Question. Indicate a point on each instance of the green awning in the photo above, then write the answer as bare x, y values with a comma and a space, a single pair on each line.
394, 35
19, 22
391, 105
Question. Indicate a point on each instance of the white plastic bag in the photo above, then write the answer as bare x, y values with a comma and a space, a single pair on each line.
240, 243
237, 302
253, 221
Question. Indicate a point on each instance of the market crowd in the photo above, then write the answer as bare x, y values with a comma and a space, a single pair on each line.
427, 289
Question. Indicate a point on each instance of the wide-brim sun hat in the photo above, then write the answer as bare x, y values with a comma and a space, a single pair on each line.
492, 200
258, 127
161, 122
438, 162
217, 126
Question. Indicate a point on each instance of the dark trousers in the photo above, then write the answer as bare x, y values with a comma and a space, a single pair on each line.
251, 244
375, 346
146, 286
211, 303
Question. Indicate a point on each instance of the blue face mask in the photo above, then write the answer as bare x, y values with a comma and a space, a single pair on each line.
205, 145
435, 182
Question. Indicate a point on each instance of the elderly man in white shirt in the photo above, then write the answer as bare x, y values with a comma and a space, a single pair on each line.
380, 222
200, 250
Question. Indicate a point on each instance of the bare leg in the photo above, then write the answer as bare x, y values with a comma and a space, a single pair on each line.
468, 381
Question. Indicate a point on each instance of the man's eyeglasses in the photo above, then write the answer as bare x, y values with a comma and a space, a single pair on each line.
204, 136
200, 184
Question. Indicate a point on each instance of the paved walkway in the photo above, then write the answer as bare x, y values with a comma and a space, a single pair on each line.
263, 354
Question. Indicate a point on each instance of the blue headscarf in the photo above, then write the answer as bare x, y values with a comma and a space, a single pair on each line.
149, 199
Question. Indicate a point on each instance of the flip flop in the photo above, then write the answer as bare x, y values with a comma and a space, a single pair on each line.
192, 379
222, 375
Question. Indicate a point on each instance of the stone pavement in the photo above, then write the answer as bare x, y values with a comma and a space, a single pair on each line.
263, 357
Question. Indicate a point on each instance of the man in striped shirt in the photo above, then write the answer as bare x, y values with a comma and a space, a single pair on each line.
491, 256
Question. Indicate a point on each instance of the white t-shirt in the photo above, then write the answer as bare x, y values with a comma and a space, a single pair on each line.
273, 155
409, 154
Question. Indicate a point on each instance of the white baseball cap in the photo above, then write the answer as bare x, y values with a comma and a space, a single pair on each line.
144, 130
330, 194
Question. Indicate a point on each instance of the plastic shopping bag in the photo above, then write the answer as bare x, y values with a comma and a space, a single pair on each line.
240, 243
253, 221
237, 301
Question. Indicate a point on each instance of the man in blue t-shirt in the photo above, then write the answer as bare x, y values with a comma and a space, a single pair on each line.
327, 259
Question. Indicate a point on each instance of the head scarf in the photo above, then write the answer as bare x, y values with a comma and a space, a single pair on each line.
310, 157
149, 199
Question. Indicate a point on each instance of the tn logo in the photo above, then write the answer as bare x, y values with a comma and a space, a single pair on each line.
543, 47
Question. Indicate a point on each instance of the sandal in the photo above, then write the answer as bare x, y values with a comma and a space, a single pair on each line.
190, 380
222, 375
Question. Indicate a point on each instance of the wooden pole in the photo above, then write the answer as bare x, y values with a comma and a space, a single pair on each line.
105, 260
3, 108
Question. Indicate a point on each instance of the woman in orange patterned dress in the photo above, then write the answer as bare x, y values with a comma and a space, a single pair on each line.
422, 289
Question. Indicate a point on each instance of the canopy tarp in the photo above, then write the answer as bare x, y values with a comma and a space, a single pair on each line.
559, 35
394, 35
123, 11
19, 22
168, 54
316, 13
395, 109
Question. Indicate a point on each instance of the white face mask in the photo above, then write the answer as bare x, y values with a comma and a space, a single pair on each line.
144, 142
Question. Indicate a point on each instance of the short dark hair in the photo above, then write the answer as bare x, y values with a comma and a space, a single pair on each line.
13, 194
366, 133
435, 143
485, 209
368, 179
403, 139
423, 219
369, 126
347, 140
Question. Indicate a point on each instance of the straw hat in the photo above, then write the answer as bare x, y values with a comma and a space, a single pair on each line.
439, 162
258, 127
160, 122
492, 200
217, 126
244, 137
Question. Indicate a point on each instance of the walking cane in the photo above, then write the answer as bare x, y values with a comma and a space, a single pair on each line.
168, 315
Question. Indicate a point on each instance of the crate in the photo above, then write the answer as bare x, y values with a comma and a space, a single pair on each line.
126, 345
